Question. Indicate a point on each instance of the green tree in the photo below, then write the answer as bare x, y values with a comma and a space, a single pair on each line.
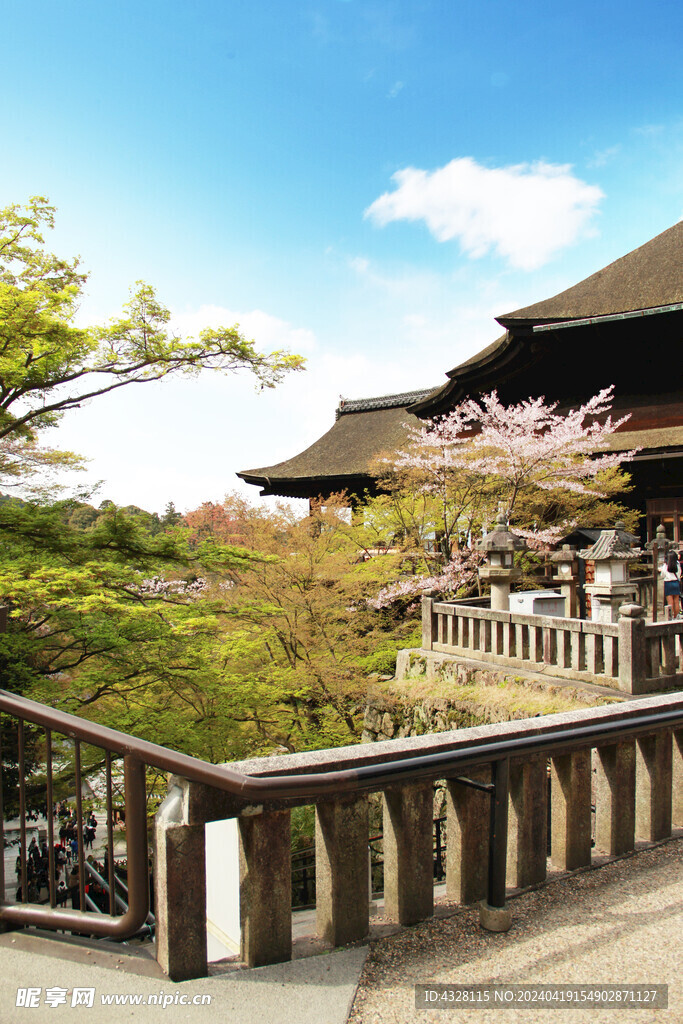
48, 365
104, 620
171, 516
102, 602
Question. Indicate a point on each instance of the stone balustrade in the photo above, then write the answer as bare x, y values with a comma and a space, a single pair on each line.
630, 655
634, 780
645, 590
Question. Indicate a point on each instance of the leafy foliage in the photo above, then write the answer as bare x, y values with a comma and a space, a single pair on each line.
48, 365
547, 470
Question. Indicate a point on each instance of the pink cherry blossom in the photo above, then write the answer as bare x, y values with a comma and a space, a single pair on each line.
528, 444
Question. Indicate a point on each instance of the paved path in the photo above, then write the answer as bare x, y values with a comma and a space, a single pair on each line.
317, 990
620, 923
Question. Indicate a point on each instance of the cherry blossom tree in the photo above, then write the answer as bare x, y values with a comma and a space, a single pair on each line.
546, 468
488, 450
531, 444
459, 573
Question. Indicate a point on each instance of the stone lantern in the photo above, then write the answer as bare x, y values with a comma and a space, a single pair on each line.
612, 587
499, 546
566, 564
659, 549
661, 542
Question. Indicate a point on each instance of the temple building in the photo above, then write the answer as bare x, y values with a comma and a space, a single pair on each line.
342, 459
620, 326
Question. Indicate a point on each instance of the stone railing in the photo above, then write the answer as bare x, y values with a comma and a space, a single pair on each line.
645, 590
630, 655
616, 772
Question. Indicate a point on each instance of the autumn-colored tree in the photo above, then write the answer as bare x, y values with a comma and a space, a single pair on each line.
213, 521
298, 636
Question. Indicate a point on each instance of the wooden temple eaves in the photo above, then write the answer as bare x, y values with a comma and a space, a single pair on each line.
621, 326
603, 330
343, 459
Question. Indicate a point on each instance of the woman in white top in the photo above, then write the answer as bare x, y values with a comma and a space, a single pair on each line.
671, 574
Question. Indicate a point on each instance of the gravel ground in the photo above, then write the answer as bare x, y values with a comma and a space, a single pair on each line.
621, 923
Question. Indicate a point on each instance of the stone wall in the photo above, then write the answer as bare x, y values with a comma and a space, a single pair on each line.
435, 693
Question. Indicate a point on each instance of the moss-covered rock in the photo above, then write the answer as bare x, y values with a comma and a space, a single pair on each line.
460, 695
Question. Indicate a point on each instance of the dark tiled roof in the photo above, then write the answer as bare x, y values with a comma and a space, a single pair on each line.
609, 546
348, 449
585, 533
347, 405
649, 277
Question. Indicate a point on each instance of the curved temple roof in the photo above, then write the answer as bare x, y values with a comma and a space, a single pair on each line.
648, 280
649, 277
607, 307
365, 428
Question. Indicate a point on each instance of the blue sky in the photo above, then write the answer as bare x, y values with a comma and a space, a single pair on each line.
365, 181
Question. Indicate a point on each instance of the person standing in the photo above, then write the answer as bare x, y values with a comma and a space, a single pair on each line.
671, 574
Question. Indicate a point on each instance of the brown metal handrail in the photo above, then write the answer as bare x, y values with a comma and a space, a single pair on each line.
303, 787
100, 925
255, 789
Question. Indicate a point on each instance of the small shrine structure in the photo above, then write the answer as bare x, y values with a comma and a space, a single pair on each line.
612, 587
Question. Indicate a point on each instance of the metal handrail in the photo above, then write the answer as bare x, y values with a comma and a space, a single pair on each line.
150, 921
310, 786
138, 904
321, 783
121, 903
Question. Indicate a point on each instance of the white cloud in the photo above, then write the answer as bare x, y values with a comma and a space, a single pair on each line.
602, 157
408, 285
269, 332
360, 264
395, 90
525, 213
649, 130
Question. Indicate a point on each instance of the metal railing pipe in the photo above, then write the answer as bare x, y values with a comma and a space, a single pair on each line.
256, 789
103, 924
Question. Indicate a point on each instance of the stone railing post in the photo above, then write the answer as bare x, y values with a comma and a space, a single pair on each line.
615, 797
570, 826
468, 820
677, 778
653, 786
180, 876
527, 822
265, 888
428, 620
341, 870
408, 853
632, 659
